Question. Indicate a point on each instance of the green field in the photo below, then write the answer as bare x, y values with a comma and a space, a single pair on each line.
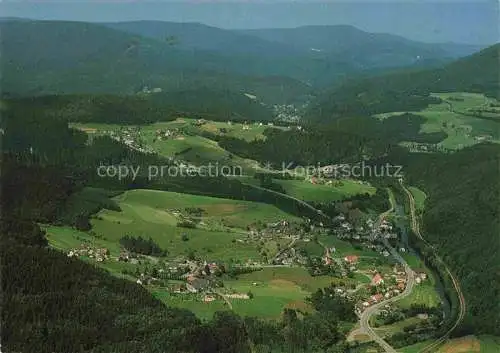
254, 132
270, 297
468, 344
189, 145
462, 130
297, 275
307, 191
344, 248
276, 288
389, 330
414, 348
273, 289
193, 303
413, 261
423, 293
149, 213
419, 197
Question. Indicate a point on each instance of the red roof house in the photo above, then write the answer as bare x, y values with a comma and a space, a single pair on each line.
377, 279
376, 298
351, 259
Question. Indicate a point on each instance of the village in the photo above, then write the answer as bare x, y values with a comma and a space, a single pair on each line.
131, 137
203, 278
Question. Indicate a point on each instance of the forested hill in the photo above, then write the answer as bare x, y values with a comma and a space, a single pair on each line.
462, 220
61, 57
202, 37
207, 103
409, 89
54, 57
350, 41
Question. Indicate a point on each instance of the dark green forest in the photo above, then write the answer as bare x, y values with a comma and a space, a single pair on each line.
218, 105
349, 140
461, 220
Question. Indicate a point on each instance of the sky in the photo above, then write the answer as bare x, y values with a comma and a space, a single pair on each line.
460, 21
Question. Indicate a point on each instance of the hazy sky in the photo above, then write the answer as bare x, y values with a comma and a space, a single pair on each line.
472, 21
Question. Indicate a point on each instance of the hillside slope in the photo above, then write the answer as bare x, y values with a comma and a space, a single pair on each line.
461, 221
348, 41
409, 89
202, 37
314, 54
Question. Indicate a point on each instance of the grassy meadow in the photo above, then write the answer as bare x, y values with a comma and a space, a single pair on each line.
462, 130
307, 191
189, 145
422, 294
277, 288
467, 344
148, 213
419, 197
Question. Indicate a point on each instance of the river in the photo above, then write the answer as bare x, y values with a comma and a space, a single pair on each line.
403, 227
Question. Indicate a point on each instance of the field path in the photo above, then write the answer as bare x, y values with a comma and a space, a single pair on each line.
302, 202
228, 302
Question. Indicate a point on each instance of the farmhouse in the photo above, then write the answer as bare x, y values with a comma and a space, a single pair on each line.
197, 285
351, 259
377, 280
376, 298
238, 296
208, 298
421, 275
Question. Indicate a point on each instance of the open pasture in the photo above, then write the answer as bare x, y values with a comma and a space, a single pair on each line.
219, 235
307, 191
451, 116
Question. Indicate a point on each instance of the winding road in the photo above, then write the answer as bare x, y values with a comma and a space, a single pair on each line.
367, 314
410, 275
462, 307
410, 282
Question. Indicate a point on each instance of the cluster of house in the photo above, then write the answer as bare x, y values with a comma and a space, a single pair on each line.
99, 254
146, 279
246, 126
425, 147
288, 257
131, 138
199, 122
165, 134
366, 233
286, 112
315, 180
126, 256
147, 90
200, 280
481, 138
395, 285
279, 229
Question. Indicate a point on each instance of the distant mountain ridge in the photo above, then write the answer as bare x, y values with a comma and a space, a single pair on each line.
321, 53
202, 37
341, 38
52, 57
